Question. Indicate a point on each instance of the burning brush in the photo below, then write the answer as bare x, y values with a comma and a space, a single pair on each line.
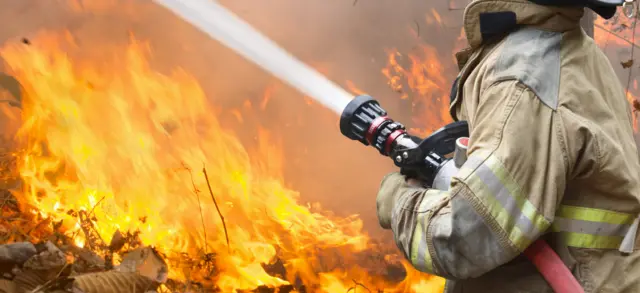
96, 156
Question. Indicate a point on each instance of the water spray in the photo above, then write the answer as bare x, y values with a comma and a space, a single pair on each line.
227, 28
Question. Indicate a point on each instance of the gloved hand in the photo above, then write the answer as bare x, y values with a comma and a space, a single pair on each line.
390, 191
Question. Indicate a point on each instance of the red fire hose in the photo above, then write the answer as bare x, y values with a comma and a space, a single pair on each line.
552, 268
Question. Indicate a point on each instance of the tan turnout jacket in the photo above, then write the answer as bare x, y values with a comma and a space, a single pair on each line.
551, 155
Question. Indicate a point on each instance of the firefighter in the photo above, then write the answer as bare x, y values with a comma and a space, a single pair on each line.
551, 156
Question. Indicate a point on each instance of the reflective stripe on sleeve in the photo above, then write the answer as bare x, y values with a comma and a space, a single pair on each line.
583, 227
503, 199
420, 257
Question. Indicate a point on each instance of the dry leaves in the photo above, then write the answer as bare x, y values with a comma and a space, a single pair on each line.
112, 282
147, 262
627, 64
7, 286
44, 268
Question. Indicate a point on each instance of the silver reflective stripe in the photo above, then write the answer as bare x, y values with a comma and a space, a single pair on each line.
588, 227
508, 202
470, 165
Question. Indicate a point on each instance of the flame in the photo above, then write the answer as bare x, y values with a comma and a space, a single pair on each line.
433, 17
421, 80
354, 89
127, 147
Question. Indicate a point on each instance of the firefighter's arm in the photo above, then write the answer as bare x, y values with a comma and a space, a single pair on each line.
502, 199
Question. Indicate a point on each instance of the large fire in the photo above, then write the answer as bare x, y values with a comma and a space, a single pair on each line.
127, 147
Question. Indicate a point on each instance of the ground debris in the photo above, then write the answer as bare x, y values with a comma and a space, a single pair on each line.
88, 261
49, 271
16, 253
147, 262
42, 269
117, 241
281, 289
42, 257
8, 286
112, 282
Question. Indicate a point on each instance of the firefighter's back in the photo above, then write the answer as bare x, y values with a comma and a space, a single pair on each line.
604, 182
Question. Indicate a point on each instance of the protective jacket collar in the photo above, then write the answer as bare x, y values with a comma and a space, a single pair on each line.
486, 19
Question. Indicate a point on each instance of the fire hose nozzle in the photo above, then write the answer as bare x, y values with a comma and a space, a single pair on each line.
364, 120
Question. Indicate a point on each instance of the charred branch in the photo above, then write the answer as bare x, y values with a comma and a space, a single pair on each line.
224, 225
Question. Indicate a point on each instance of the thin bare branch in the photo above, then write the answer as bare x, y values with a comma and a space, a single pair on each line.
197, 192
224, 225
616, 35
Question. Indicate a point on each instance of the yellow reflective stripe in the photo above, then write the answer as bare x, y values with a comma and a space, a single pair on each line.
580, 240
419, 251
420, 257
584, 227
505, 202
594, 215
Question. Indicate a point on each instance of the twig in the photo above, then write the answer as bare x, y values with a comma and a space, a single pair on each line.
615, 35
94, 207
417, 28
354, 2
7, 200
48, 283
37, 225
73, 236
224, 225
356, 284
633, 41
197, 192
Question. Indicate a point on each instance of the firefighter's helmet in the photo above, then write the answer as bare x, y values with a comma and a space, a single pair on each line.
605, 8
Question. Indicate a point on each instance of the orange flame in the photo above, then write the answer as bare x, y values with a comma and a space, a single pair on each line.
354, 89
421, 79
127, 144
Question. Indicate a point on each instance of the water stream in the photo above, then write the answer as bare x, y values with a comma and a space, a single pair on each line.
224, 26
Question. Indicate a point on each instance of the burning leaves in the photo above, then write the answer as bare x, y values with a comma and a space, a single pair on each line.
102, 173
